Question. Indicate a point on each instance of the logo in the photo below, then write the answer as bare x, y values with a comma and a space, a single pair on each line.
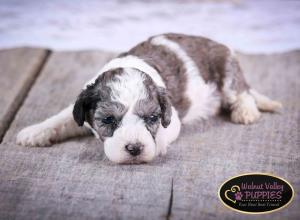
256, 193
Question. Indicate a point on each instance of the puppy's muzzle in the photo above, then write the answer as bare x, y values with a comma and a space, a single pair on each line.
134, 149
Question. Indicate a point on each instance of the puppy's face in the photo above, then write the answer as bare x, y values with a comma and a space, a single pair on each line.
125, 108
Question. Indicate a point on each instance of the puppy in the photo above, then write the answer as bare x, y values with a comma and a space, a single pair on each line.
136, 103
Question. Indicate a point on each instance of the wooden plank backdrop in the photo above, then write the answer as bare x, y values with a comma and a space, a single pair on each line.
18, 69
74, 180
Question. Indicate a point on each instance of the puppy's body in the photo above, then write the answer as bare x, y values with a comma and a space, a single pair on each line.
137, 102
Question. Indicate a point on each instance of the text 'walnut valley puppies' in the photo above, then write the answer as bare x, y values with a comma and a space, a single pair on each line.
137, 102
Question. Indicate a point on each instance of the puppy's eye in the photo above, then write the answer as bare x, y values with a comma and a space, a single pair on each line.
109, 120
151, 119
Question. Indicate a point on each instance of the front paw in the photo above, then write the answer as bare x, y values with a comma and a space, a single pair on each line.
36, 136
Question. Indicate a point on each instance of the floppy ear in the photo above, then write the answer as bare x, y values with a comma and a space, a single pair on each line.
86, 100
165, 105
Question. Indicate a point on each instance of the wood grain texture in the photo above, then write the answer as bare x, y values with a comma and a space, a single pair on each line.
74, 180
18, 70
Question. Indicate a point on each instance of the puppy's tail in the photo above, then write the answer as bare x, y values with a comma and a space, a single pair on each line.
264, 103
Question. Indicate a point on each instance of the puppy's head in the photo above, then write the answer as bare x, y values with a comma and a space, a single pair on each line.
125, 107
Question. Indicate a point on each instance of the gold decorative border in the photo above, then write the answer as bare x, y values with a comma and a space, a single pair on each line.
255, 213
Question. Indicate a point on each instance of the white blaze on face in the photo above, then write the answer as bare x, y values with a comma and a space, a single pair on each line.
128, 90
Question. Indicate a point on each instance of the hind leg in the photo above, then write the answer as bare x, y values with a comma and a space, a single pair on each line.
243, 102
236, 96
264, 103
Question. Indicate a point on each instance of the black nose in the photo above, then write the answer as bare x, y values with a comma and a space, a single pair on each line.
134, 149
